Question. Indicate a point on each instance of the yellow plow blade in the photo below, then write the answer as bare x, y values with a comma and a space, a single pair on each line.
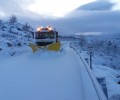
52, 47
34, 47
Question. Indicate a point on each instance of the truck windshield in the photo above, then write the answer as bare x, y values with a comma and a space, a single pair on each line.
44, 35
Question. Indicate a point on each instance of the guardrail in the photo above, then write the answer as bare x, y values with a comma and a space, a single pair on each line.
96, 85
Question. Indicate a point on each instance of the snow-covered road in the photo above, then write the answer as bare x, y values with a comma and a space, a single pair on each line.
45, 76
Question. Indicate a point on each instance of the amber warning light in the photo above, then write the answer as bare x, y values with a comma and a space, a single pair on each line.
46, 28
39, 28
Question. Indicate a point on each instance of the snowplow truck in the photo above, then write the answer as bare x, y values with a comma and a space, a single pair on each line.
46, 38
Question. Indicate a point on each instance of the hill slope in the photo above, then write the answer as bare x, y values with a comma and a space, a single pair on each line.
14, 36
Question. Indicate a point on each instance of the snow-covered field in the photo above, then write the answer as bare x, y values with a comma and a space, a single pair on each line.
45, 76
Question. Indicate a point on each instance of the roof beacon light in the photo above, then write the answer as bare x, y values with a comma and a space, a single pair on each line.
49, 28
39, 28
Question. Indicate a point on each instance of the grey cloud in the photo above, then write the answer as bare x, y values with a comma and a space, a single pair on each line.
97, 21
88, 21
91, 20
105, 20
10, 7
97, 5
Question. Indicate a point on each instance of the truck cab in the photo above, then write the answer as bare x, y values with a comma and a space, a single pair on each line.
45, 36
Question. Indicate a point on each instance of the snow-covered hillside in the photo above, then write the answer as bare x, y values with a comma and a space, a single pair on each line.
13, 37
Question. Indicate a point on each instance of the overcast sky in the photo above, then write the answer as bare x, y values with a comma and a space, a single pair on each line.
56, 8
51, 8
85, 15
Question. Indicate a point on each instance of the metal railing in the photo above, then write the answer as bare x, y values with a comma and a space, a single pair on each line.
93, 79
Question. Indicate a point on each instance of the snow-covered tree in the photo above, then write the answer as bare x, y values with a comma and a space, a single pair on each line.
0, 23
109, 44
13, 19
26, 27
114, 49
82, 40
